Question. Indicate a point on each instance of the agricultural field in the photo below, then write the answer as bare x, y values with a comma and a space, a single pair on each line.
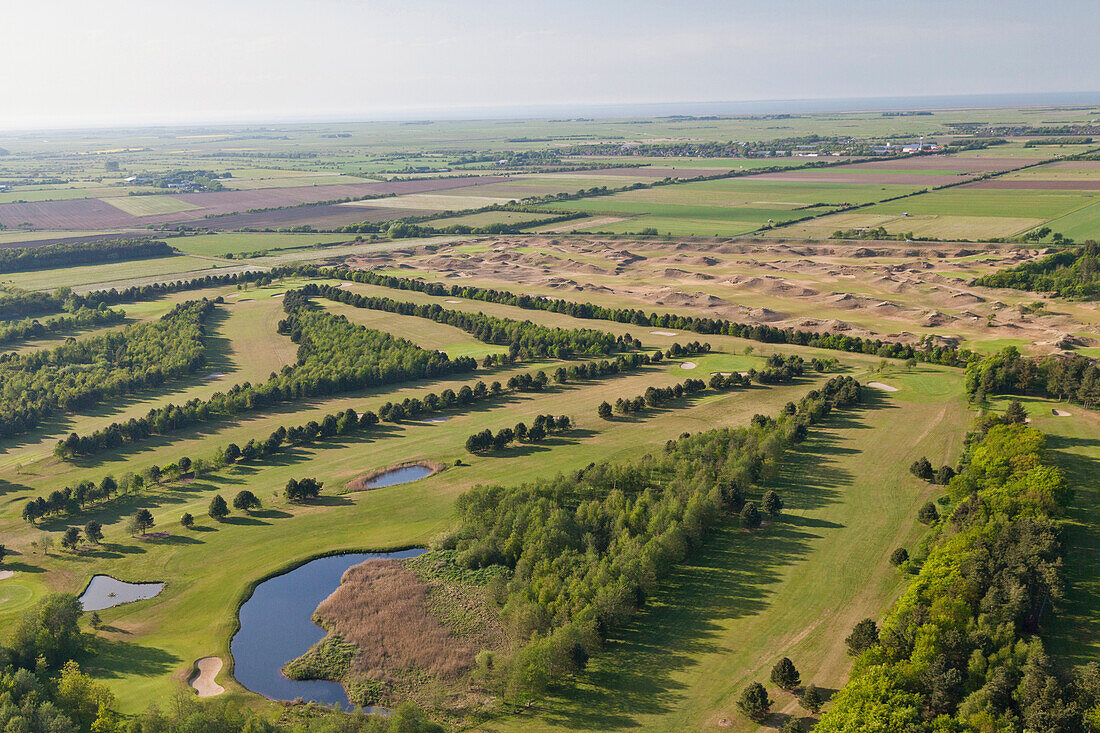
624, 568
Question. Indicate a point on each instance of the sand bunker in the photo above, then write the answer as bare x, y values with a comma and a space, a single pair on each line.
214, 375
437, 419
1059, 413
452, 301
883, 387
688, 365
664, 333
5, 574
206, 670
278, 295
721, 374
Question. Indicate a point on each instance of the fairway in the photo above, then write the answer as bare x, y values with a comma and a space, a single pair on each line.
792, 588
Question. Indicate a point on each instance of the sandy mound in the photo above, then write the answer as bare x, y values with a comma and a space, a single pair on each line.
883, 387
688, 365
5, 574
1059, 413
664, 333
206, 670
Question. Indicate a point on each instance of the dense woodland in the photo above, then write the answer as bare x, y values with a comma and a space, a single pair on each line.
585, 550
82, 317
960, 650
87, 371
1070, 273
1074, 378
52, 256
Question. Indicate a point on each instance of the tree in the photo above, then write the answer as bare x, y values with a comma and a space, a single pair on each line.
784, 674
232, 453
922, 469
604, 410
773, 504
3, 551
944, 475
811, 699
863, 637
1015, 414
793, 725
928, 514
71, 539
50, 630
750, 516
899, 556
187, 521
93, 531
754, 702
218, 509
143, 520
298, 490
246, 501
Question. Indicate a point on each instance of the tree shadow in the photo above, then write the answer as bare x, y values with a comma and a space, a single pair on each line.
115, 657
244, 520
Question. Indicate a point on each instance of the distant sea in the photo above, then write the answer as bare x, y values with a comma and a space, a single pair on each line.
758, 107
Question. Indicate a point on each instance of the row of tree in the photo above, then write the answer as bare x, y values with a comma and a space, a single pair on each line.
525, 340
334, 355
71, 501
961, 649
83, 317
584, 550
85, 372
926, 350
543, 426
653, 397
71, 254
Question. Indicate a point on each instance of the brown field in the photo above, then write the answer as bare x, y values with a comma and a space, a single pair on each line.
951, 163
839, 176
96, 214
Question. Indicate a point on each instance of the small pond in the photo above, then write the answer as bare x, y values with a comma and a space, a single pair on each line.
106, 592
277, 626
395, 476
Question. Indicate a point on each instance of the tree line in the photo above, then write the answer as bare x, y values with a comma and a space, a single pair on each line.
71, 254
72, 500
84, 372
544, 425
334, 355
1073, 378
584, 550
525, 339
1070, 273
82, 317
926, 350
961, 649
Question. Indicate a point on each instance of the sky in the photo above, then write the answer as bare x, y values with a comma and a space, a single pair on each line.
67, 63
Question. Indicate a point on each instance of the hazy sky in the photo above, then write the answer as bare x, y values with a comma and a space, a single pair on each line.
116, 62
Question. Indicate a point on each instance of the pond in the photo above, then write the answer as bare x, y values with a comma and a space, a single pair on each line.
402, 475
277, 626
106, 592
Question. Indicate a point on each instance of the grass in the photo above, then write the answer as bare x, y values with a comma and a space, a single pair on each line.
222, 243
794, 588
149, 205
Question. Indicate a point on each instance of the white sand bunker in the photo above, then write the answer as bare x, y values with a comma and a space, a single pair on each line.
1059, 413
722, 374
278, 295
437, 419
883, 387
688, 365
206, 670
452, 301
5, 574
664, 333
214, 375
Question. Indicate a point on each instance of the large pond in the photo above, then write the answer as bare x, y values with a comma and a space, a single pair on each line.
395, 476
277, 626
107, 592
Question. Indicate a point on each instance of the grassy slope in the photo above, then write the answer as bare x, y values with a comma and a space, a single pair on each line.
794, 588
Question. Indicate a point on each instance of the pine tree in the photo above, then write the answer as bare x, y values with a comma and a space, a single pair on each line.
810, 700
754, 702
218, 509
785, 675
750, 516
773, 504
1015, 414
